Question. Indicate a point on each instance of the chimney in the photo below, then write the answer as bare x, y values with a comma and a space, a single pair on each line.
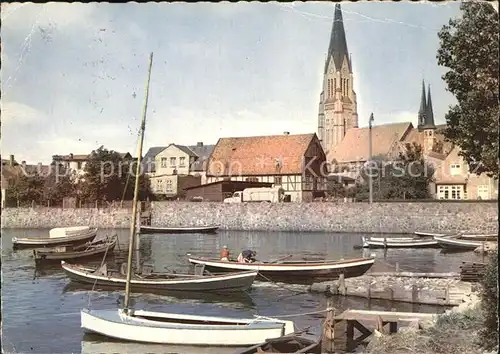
286, 133
199, 144
71, 155
11, 160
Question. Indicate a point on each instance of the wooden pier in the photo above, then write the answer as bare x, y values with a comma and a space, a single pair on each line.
348, 321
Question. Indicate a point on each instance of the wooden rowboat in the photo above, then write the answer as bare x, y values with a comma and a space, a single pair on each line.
429, 234
479, 237
403, 242
455, 243
76, 238
70, 252
287, 344
298, 272
239, 281
178, 230
172, 328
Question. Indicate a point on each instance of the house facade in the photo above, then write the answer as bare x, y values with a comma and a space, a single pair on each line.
175, 167
297, 163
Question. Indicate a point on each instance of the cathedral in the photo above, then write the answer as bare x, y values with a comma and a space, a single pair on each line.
337, 106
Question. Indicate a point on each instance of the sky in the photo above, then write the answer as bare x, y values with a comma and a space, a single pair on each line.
74, 75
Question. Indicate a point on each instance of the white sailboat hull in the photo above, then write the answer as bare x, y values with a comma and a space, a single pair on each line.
168, 328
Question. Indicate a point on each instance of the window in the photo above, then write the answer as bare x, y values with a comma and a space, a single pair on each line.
169, 185
159, 185
277, 180
334, 85
172, 161
329, 88
163, 162
252, 179
455, 169
483, 192
451, 192
182, 161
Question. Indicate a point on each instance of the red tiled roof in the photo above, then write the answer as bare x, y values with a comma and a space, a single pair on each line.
354, 146
260, 155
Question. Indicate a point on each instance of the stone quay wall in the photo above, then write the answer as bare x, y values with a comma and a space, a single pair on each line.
389, 217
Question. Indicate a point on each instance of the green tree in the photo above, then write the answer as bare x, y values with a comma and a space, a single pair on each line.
408, 177
58, 185
26, 188
469, 49
109, 177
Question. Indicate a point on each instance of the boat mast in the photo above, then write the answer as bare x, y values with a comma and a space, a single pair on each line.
136, 188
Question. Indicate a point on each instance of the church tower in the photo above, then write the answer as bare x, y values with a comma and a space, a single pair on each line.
337, 106
426, 123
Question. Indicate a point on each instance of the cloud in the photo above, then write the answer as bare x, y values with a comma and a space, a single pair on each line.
16, 113
50, 15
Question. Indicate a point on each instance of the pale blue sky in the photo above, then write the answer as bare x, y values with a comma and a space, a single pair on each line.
73, 75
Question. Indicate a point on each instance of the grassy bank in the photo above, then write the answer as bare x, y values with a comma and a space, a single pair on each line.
452, 333
472, 328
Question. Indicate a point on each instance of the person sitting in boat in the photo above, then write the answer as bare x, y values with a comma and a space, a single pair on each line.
224, 254
247, 256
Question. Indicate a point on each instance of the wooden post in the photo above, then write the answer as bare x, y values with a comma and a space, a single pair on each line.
96, 205
80, 203
369, 296
385, 242
342, 288
32, 204
48, 203
18, 203
414, 294
447, 294
397, 267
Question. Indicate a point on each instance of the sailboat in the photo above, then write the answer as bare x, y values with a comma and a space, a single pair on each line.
171, 328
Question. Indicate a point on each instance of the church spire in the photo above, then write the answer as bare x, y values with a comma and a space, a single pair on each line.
429, 116
337, 49
422, 112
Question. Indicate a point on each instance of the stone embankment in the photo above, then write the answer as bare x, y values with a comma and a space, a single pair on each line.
447, 291
397, 217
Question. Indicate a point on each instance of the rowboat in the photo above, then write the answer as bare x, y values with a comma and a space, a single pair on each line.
73, 238
178, 230
70, 252
479, 237
299, 272
102, 276
286, 344
403, 242
429, 234
454, 242
173, 328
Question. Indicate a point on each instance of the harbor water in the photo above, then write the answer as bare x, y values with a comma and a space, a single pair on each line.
41, 309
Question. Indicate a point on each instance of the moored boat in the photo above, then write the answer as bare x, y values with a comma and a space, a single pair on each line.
479, 237
455, 243
287, 344
299, 272
429, 234
172, 328
72, 238
178, 230
402, 242
71, 252
237, 281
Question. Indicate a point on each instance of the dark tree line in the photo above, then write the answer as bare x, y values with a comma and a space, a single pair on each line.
106, 177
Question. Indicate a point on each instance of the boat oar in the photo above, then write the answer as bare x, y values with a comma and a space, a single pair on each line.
282, 258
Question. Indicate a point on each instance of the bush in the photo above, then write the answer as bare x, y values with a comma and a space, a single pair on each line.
489, 304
